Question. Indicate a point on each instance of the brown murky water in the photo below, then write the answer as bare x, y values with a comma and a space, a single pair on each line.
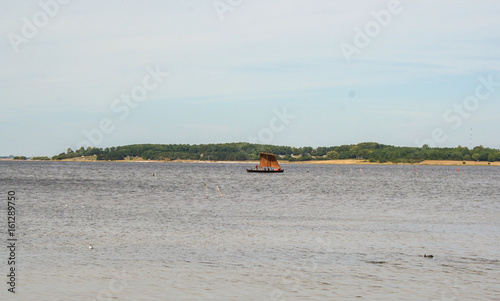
311, 233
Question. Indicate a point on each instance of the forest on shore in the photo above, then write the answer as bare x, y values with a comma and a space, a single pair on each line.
371, 151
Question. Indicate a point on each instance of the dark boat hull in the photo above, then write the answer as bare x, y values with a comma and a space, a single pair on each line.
264, 171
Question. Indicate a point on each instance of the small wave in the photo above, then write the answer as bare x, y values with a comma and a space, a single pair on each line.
376, 262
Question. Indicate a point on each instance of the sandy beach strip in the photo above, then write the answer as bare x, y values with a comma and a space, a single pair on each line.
325, 162
426, 162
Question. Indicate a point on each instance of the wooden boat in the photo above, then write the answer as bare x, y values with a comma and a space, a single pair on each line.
268, 164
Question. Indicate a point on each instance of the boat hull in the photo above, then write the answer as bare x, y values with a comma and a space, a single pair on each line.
264, 171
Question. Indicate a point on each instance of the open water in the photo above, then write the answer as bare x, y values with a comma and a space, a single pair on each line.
315, 232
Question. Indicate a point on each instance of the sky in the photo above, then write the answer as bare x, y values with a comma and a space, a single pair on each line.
284, 72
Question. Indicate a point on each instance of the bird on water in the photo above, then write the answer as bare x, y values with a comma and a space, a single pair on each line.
91, 246
428, 256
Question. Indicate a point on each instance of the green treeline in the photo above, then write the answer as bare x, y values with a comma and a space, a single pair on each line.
42, 158
371, 151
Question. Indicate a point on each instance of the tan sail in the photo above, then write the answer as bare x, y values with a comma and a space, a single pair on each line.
268, 160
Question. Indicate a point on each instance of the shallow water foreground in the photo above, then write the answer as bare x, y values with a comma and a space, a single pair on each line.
312, 233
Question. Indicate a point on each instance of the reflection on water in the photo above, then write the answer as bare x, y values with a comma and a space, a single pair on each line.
311, 233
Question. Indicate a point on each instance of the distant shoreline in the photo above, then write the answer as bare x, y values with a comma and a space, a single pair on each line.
425, 162
251, 163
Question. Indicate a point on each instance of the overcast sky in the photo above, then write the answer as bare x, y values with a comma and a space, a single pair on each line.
284, 72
